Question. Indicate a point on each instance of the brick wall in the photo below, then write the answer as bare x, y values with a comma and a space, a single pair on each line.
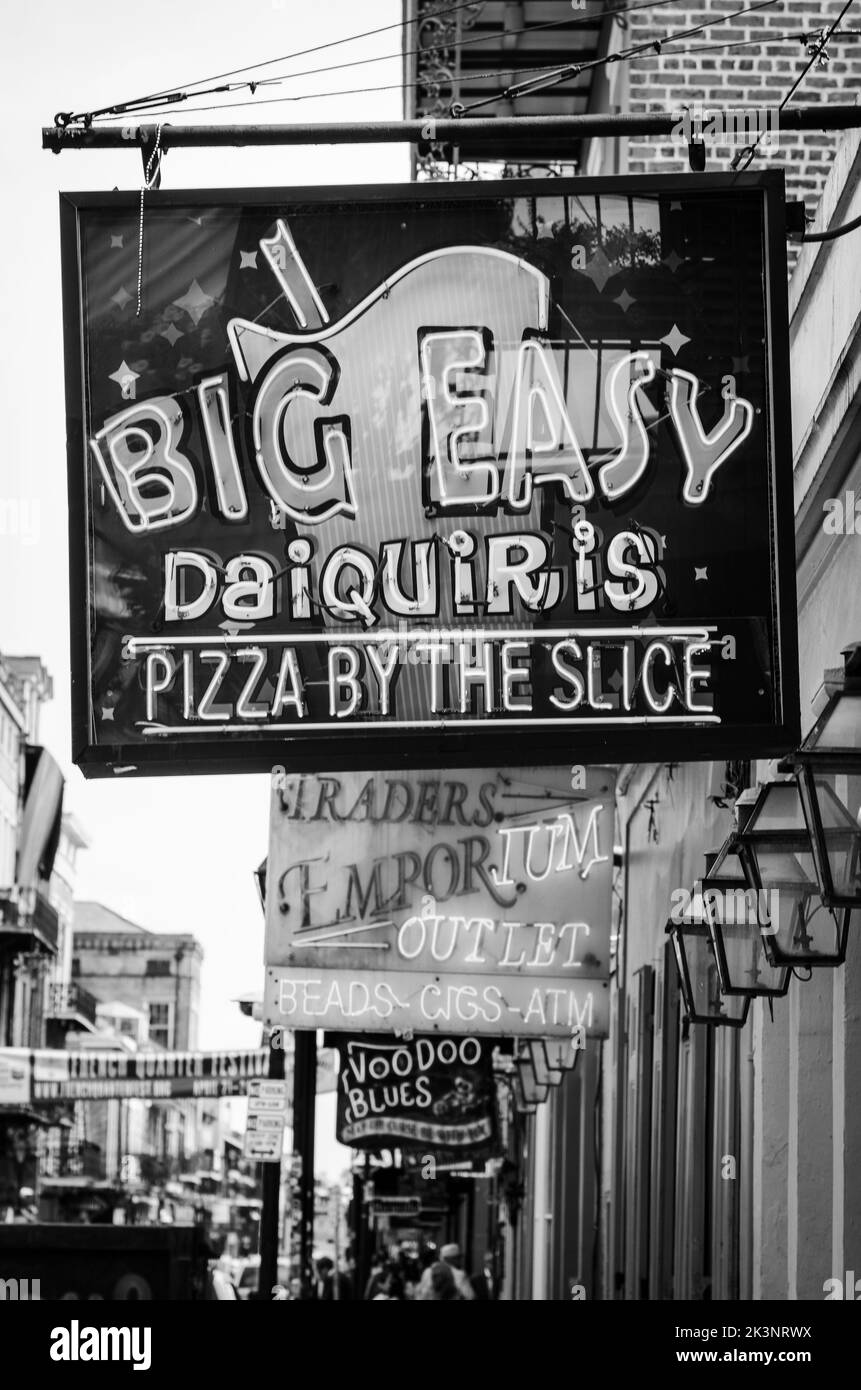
742, 78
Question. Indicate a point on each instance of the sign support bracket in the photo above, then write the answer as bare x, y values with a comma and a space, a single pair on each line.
558, 131
271, 1193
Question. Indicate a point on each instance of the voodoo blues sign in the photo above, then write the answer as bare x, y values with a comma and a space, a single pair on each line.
434, 1093
474, 902
501, 461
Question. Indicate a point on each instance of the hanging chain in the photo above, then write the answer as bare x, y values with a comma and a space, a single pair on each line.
149, 175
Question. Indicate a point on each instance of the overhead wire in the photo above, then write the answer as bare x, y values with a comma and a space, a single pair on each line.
817, 51
164, 97
592, 20
563, 73
819, 46
267, 62
557, 74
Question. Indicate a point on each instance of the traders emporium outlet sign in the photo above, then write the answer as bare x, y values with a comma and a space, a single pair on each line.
473, 903
358, 468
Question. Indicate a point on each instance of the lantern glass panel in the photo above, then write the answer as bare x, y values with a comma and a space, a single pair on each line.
825, 814
839, 727
533, 1093
737, 916
806, 932
519, 1091
775, 843
545, 1075
786, 856
700, 981
562, 1055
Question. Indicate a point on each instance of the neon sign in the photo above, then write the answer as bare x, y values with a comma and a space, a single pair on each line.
475, 902
377, 469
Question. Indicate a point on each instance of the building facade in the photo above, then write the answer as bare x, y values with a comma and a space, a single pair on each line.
681, 1160
157, 973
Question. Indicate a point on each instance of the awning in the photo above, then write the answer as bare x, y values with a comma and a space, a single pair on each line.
41, 820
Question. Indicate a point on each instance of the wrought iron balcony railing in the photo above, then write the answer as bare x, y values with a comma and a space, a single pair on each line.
71, 1001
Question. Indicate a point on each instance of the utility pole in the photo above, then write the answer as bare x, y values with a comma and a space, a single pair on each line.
304, 1112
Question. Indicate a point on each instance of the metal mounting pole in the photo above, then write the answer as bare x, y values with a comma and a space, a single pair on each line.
304, 1109
271, 1195
558, 130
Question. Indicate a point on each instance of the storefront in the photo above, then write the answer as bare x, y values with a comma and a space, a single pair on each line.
729, 1155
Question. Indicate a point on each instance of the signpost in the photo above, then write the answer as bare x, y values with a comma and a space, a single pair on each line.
453, 474
476, 902
268, 1112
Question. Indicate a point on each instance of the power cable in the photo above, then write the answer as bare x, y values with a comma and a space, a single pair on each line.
592, 20
163, 92
834, 232
398, 86
311, 96
558, 75
157, 101
817, 49
574, 69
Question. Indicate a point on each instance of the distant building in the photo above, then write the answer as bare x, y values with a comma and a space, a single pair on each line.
158, 973
69, 1007
145, 991
31, 800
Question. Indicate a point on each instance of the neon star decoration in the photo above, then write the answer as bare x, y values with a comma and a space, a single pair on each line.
599, 270
675, 339
172, 333
125, 379
195, 302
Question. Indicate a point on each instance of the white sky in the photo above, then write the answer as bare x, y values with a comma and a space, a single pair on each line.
175, 854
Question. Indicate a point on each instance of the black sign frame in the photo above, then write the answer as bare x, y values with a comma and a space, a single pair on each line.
392, 748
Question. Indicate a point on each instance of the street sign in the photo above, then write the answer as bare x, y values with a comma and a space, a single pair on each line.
263, 1146
395, 1206
377, 476
265, 1124
15, 1076
267, 1095
475, 902
267, 1105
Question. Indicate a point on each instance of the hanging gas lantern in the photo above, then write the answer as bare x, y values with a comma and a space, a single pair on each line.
777, 856
738, 923
698, 973
832, 750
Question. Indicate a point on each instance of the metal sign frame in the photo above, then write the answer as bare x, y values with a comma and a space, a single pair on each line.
390, 747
